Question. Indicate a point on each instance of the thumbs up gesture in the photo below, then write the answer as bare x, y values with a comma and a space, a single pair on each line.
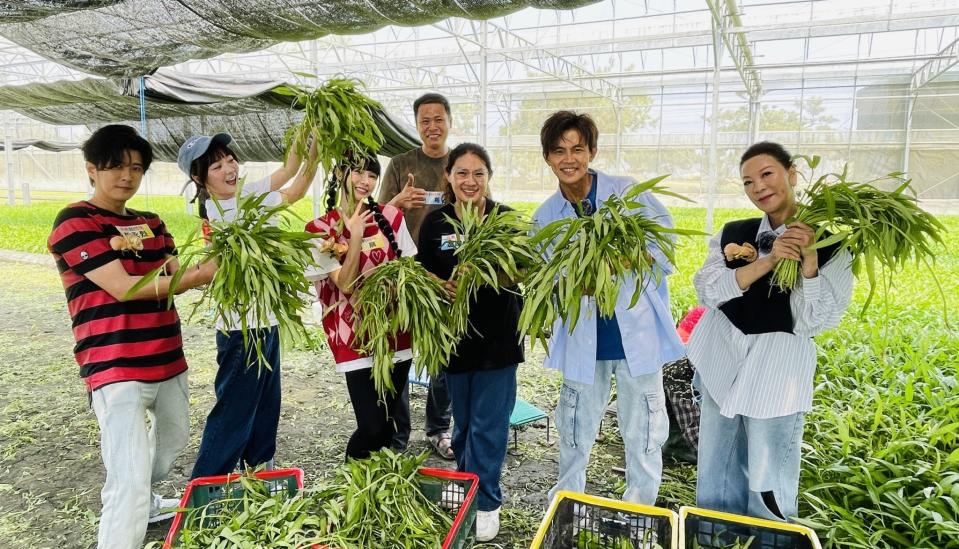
410, 197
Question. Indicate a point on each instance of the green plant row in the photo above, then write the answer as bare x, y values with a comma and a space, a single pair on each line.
881, 447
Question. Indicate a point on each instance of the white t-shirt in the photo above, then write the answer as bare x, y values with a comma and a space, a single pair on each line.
274, 198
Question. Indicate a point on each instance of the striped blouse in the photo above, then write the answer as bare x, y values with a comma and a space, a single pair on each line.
764, 375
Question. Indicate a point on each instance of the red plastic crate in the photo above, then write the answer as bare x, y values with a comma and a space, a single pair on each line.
449, 489
203, 490
444, 487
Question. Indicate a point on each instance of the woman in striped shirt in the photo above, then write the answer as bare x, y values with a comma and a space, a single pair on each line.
753, 349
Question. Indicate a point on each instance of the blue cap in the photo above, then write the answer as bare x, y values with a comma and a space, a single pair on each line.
196, 146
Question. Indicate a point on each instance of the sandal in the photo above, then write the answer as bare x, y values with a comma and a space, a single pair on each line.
443, 445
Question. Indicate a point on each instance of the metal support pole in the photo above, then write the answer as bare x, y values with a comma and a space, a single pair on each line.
143, 132
907, 144
659, 131
24, 181
802, 96
317, 186
852, 115
21, 177
481, 130
755, 111
509, 145
8, 156
711, 183
619, 136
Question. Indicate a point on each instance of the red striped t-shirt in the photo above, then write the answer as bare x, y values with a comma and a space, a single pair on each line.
116, 341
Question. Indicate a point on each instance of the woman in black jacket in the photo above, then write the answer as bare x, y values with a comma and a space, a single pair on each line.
481, 374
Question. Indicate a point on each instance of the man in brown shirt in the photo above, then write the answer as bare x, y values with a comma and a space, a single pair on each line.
411, 177
414, 182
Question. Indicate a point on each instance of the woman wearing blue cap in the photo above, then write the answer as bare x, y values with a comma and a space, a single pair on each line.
241, 428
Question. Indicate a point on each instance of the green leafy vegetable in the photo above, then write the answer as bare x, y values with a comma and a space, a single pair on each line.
402, 296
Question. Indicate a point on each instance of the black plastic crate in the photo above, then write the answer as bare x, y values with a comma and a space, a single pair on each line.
577, 521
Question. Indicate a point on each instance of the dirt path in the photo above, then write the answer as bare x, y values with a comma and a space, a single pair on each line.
50, 469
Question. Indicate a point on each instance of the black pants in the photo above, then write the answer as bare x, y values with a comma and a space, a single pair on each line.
374, 416
438, 411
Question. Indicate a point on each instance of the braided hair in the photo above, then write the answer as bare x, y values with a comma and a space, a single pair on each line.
384, 225
332, 192
368, 163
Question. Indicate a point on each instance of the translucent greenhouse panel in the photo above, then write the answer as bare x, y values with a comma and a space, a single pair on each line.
935, 173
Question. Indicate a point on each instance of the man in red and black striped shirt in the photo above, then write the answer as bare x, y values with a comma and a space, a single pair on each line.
129, 347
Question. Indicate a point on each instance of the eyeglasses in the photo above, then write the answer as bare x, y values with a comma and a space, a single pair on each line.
463, 175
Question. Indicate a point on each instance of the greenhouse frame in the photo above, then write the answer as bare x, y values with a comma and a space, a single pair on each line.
871, 83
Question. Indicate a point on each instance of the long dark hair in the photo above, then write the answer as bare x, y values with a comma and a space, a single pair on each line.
342, 172
200, 168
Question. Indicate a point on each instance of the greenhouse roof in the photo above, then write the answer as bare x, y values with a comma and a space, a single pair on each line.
839, 77
135, 37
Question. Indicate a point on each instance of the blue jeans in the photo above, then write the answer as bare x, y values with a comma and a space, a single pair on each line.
482, 403
241, 428
749, 466
643, 424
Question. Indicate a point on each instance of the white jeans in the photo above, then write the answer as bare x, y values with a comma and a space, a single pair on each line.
135, 455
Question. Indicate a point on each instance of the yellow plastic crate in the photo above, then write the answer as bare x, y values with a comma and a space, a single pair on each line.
707, 529
580, 521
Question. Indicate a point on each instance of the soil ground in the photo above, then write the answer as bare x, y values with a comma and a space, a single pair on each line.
50, 468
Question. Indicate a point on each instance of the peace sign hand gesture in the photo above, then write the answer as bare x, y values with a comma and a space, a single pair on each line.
357, 223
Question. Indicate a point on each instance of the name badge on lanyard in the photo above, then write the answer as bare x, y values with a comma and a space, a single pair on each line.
141, 231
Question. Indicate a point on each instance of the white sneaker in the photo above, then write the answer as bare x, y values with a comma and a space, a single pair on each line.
160, 508
487, 524
452, 497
